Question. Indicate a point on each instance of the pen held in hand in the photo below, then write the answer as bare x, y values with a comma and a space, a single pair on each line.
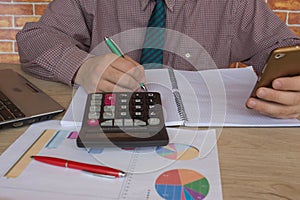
142, 85
113, 47
95, 169
116, 50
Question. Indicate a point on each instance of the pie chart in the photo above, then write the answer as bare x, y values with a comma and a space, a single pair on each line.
182, 184
177, 151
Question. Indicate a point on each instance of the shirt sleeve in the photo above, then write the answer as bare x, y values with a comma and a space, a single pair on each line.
55, 47
257, 32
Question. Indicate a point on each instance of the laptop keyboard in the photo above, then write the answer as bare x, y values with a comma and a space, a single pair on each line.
8, 111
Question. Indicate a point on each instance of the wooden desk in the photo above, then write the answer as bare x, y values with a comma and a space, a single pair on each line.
256, 163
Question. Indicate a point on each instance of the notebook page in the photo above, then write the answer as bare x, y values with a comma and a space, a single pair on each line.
217, 98
203, 96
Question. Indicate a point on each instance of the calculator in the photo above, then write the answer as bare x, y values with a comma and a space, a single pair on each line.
123, 119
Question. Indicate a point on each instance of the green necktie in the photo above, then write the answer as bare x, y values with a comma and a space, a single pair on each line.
152, 52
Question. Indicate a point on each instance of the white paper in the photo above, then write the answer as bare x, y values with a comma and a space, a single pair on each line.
74, 114
143, 165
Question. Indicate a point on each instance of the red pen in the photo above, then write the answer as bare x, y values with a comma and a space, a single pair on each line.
95, 169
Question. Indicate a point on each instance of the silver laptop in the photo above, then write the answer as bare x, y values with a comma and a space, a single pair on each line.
23, 103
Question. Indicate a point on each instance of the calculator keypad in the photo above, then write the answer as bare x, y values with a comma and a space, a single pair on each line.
123, 119
121, 111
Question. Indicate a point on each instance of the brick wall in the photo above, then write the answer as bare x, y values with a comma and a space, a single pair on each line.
15, 13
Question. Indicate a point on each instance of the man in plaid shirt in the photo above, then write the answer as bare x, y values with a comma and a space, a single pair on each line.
59, 46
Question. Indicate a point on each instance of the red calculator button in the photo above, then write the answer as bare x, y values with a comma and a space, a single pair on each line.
93, 122
110, 99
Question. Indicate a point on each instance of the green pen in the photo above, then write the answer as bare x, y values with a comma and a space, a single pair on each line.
113, 47
116, 50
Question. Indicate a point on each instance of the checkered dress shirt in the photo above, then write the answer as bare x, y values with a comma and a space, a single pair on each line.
229, 30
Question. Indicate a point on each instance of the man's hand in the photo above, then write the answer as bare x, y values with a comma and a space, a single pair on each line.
282, 101
108, 73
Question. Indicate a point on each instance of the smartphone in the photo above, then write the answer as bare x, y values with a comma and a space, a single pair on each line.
282, 62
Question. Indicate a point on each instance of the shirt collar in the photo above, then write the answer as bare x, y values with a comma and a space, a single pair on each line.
170, 4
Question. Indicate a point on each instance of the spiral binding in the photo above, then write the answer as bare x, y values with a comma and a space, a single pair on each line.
178, 99
180, 107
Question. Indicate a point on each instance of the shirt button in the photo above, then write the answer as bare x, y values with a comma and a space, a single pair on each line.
187, 55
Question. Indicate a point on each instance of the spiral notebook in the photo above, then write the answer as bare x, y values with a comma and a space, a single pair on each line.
208, 98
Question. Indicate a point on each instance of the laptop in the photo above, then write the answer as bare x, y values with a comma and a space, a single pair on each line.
22, 103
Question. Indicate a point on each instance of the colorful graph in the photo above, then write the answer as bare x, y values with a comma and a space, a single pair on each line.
176, 151
182, 184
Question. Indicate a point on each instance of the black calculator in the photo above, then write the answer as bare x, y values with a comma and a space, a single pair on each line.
123, 119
